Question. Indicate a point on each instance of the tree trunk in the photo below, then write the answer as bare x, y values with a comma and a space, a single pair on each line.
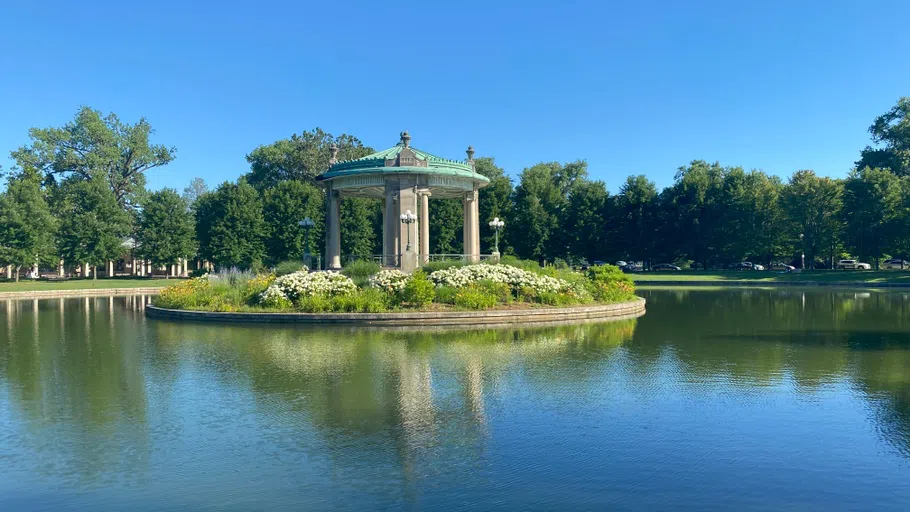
94, 272
17, 273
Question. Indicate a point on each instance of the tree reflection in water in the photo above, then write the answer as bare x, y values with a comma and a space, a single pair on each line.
92, 391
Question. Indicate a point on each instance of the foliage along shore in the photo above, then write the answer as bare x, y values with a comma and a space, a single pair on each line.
363, 287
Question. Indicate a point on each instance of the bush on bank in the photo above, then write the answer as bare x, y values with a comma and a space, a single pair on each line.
473, 287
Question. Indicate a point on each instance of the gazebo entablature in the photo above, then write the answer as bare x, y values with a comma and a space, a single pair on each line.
405, 179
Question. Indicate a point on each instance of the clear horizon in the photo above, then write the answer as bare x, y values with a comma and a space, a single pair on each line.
638, 89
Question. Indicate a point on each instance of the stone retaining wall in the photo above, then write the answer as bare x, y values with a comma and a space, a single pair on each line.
87, 292
419, 318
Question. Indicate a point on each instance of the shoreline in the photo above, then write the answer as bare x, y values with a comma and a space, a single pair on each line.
489, 318
766, 284
79, 292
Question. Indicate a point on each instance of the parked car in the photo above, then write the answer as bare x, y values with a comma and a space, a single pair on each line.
634, 266
853, 265
747, 265
782, 266
896, 263
621, 263
664, 267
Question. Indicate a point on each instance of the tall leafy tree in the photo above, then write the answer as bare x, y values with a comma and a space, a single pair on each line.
97, 147
871, 201
93, 226
582, 222
540, 200
495, 201
284, 206
194, 190
300, 157
694, 200
230, 227
812, 205
165, 230
361, 226
446, 226
27, 227
891, 136
634, 219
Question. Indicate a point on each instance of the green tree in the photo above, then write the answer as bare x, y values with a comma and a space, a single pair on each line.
194, 190
495, 201
812, 208
695, 212
166, 229
284, 206
634, 219
97, 147
446, 226
361, 226
301, 157
891, 136
27, 227
93, 226
871, 201
230, 227
541, 198
582, 222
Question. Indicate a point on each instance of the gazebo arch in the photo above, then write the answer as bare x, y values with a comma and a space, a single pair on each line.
405, 178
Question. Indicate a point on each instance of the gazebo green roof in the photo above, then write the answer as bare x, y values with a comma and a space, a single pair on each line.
424, 163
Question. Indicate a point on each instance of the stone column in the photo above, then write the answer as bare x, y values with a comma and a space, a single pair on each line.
389, 229
61, 272
425, 226
333, 240
9, 271
407, 200
475, 227
85, 270
471, 230
110, 268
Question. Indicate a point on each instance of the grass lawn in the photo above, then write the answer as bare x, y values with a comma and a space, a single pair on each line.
27, 285
769, 277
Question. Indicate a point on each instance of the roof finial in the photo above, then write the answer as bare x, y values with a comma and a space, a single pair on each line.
470, 153
405, 139
334, 149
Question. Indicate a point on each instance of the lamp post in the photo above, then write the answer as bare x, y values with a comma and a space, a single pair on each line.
307, 224
497, 225
408, 218
802, 252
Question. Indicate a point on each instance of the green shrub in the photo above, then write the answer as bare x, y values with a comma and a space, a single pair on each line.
418, 291
288, 267
529, 265
314, 304
609, 284
502, 292
446, 294
374, 301
473, 297
360, 271
433, 266
560, 264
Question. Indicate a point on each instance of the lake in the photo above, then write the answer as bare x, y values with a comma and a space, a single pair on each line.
740, 399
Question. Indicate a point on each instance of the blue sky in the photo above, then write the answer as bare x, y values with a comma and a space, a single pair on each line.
632, 87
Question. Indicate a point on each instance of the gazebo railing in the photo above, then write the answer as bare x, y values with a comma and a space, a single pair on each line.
391, 260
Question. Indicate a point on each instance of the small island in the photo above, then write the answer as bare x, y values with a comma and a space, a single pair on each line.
513, 290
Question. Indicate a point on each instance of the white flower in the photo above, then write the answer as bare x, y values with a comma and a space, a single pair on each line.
305, 284
459, 277
391, 280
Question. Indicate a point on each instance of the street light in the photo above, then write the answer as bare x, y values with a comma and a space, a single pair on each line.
307, 224
497, 225
408, 218
802, 253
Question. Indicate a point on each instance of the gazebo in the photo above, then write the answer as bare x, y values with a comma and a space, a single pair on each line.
405, 178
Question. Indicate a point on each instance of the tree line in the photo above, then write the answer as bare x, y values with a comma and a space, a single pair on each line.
77, 192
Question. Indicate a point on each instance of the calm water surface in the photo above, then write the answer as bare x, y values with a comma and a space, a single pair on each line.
724, 400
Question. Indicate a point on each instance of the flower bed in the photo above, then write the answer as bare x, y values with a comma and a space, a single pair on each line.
472, 287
